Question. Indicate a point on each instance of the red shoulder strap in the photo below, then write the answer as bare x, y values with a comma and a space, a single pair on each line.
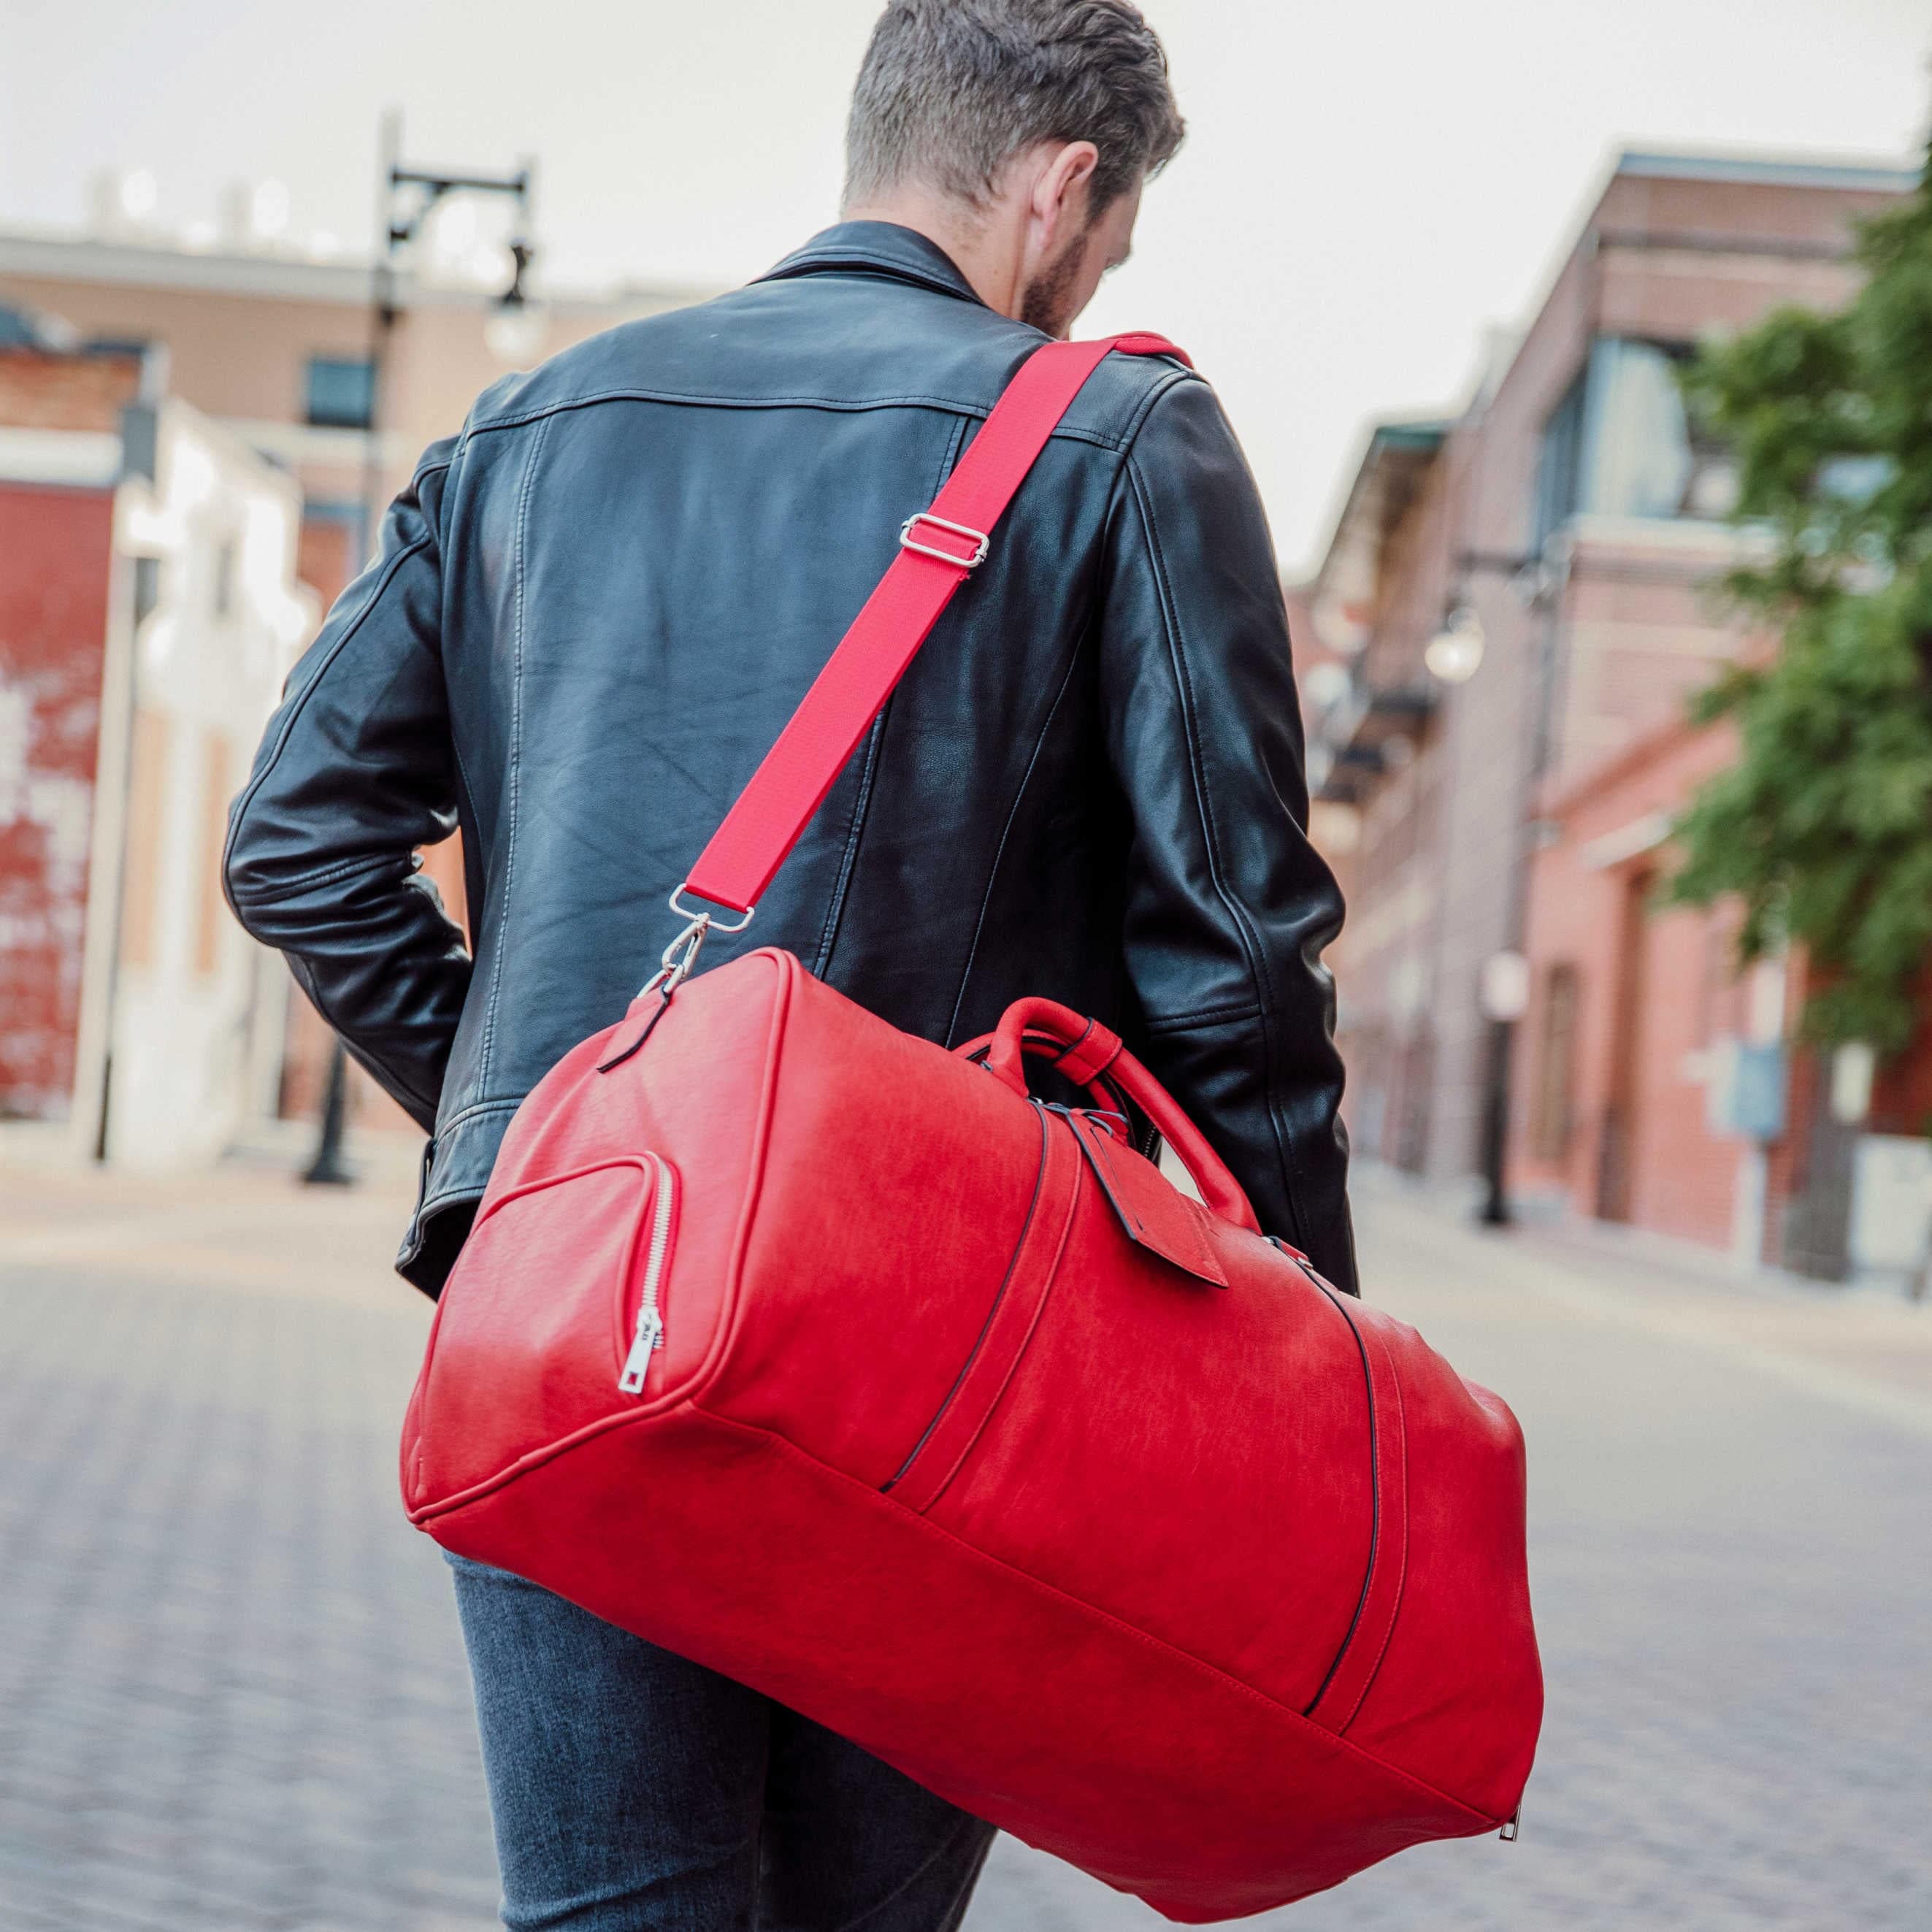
938, 549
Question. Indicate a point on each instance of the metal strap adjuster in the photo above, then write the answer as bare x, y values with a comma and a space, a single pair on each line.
981, 542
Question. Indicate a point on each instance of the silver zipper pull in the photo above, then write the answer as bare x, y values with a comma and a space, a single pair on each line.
648, 1338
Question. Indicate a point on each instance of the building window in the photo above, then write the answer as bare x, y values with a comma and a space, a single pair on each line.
1553, 1101
1621, 443
341, 391
1559, 467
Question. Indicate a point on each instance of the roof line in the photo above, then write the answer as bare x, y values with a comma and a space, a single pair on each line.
55, 255
1785, 170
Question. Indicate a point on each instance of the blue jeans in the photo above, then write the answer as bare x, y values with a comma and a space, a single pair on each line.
633, 1791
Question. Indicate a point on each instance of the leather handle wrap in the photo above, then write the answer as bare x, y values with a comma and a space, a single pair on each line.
774, 809
1044, 1027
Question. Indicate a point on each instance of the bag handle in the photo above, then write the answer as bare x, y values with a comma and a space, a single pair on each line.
939, 549
1088, 1053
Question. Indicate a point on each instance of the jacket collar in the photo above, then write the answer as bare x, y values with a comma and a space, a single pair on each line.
875, 248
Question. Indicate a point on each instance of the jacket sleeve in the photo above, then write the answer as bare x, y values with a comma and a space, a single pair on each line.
355, 771
1227, 906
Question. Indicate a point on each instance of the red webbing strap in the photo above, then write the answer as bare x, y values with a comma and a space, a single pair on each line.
775, 807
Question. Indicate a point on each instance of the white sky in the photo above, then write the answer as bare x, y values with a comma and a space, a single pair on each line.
1369, 183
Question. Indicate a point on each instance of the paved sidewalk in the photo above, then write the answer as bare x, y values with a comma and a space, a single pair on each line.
232, 1694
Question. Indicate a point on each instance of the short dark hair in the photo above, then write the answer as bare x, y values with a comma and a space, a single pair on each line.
951, 90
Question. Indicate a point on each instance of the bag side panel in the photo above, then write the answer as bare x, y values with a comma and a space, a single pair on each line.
1457, 1695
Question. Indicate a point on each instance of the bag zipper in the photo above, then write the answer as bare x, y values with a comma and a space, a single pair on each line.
649, 1336
986, 1327
1334, 1295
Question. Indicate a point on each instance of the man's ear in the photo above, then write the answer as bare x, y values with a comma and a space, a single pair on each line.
1060, 191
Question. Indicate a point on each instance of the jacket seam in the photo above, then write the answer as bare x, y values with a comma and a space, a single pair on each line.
465, 791
294, 886
1157, 390
863, 261
1171, 378
953, 405
875, 738
513, 785
1005, 833
327, 665
429, 1203
1208, 1016
1237, 912
835, 907
375, 1062
503, 1104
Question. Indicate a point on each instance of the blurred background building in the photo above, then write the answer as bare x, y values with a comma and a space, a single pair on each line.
1513, 609
188, 454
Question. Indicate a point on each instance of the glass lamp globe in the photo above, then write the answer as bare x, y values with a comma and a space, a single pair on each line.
1456, 651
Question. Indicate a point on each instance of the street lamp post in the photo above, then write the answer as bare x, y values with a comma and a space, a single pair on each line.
406, 196
1542, 577
1453, 656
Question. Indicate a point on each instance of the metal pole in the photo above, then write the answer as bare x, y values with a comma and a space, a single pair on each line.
392, 233
1496, 1209
1496, 1212
328, 1168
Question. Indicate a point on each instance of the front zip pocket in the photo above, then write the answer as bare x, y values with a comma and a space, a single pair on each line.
647, 1335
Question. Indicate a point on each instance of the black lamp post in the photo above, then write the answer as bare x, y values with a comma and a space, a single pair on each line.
405, 198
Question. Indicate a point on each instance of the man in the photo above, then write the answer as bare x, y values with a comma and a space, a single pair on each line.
592, 612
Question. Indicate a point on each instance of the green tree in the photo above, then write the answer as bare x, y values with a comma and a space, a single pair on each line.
1823, 826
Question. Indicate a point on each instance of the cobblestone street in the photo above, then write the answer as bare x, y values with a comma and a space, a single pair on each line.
232, 1693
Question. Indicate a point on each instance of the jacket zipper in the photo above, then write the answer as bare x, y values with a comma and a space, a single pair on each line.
649, 1336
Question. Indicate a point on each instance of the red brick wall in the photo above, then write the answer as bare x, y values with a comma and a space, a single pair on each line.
1655, 987
1902, 1091
39, 390
325, 557
54, 549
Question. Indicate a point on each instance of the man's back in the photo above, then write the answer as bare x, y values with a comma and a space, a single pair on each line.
593, 613
603, 600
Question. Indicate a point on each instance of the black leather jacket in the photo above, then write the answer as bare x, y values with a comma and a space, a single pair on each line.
594, 609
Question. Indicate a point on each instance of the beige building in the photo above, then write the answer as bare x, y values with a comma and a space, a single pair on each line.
149, 609
277, 349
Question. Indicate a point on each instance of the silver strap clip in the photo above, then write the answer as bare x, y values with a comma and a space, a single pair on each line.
680, 956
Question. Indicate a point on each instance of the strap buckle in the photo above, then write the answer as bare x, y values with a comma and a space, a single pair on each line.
707, 919
981, 543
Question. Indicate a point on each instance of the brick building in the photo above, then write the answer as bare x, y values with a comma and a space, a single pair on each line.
1663, 1087
1569, 522
277, 349
148, 610
60, 458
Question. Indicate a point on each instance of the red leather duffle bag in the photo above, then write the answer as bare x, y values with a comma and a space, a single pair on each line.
835, 1361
